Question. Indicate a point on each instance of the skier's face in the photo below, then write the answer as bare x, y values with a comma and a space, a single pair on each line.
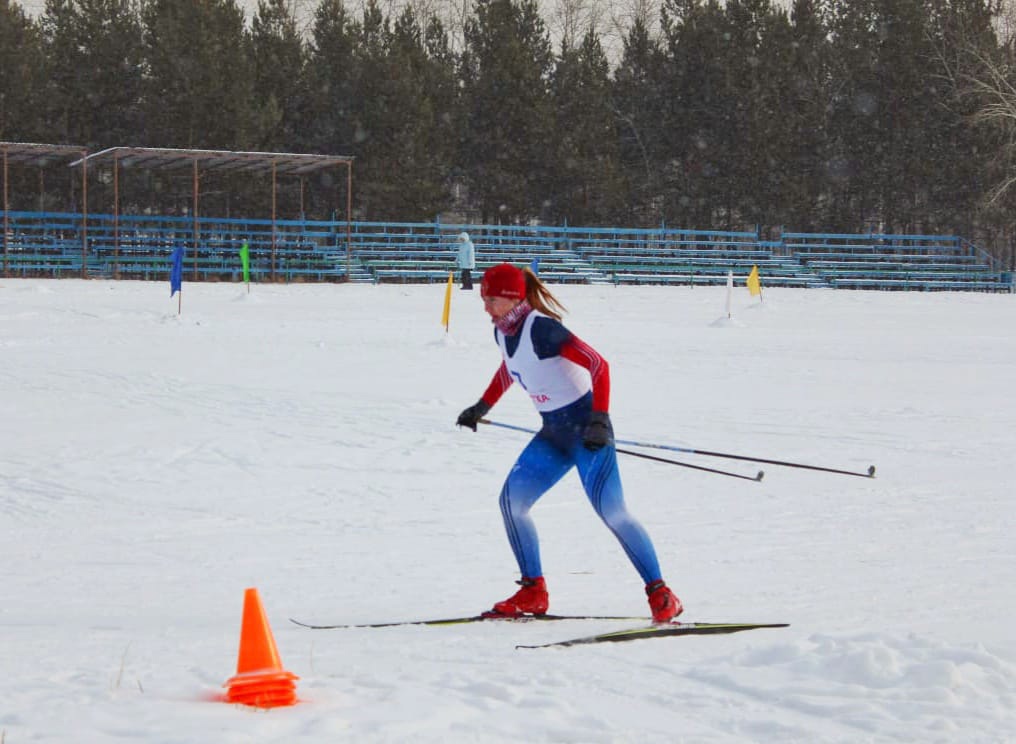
496, 307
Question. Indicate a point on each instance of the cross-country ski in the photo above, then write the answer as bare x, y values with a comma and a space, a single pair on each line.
522, 618
658, 631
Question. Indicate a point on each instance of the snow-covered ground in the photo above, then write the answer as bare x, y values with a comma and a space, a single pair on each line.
300, 439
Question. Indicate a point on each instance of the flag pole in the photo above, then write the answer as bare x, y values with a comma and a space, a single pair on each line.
730, 292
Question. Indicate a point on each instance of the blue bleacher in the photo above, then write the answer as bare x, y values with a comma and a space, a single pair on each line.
55, 244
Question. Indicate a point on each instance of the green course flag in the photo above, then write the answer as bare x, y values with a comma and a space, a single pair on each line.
245, 260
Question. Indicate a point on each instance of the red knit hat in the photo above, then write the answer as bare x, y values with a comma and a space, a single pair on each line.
504, 280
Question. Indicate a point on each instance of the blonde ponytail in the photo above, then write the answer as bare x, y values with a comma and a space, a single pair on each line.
540, 298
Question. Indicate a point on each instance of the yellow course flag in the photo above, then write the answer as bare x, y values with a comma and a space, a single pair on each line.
445, 316
754, 285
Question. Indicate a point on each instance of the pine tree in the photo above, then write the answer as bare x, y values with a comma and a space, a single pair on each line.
406, 144
965, 158
373, 96
698, 122
805, 163
198, 92
440, 79
95, 70
857, 147
278, 56
23, 60
639, 95
330, 83
586, 177
752, 88
909, 112
426, 114
509, 132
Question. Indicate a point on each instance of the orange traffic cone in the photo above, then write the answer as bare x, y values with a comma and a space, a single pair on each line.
260, 679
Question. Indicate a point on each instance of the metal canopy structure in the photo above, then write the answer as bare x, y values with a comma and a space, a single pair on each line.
30, 153
220, 161
163, 158
42, 156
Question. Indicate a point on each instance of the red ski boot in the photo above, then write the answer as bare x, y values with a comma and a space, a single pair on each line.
663, 602
531, 599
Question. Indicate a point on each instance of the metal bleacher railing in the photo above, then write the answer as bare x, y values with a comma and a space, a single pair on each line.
140, 246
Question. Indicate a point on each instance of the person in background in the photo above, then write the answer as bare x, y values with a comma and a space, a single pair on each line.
466, 260
569, 384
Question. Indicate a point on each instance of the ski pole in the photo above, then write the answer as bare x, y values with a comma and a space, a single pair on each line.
693, 467
687, 450
755, 478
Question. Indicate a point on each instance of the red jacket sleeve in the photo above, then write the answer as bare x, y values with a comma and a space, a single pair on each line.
501, 382
578, 351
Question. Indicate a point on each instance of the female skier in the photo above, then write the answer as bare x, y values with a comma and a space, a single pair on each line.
569, 383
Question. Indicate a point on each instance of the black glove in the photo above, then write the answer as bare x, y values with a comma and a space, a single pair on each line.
598, 433
472, 415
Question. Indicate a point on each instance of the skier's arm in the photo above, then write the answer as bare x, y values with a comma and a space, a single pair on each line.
498, 385
578, 351
472, 415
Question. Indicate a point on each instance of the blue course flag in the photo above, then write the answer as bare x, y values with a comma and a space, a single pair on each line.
535, 265
176, 273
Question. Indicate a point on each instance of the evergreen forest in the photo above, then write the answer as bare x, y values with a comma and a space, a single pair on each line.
824, 115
